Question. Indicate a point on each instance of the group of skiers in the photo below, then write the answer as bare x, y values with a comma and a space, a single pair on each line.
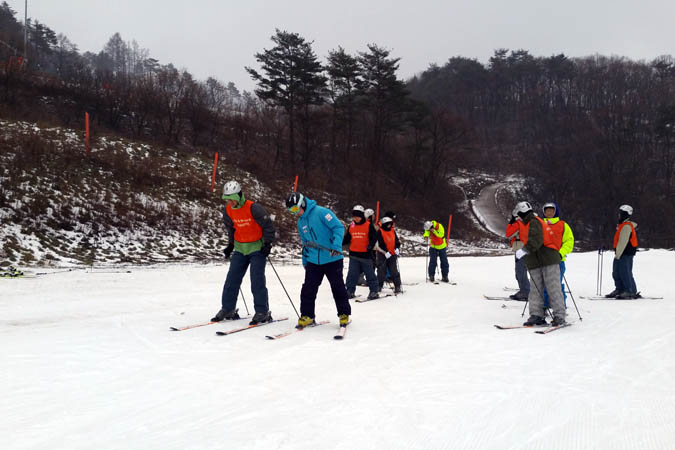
541, 246
373, 246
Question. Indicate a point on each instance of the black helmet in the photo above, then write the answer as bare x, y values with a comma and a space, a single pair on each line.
296, 201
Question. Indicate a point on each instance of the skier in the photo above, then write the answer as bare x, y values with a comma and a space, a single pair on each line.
360, 238
435, 234
552, 218
515, 229
321, 234
625, 246
388, 246
251, 234
542, 257
370, 217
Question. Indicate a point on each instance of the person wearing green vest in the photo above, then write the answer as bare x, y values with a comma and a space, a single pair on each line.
435, 235
251, 233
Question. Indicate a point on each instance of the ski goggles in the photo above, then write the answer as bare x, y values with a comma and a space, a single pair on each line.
294, 209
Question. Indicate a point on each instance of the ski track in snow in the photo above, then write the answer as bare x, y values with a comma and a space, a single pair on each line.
88, 360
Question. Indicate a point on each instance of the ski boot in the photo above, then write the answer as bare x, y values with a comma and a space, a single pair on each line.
344, 320
226, 315
535, 321
261, 317
613, 294
373, 296
304, 321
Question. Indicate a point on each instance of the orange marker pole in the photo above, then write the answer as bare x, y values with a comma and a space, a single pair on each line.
377, 212
86, 134
295, 185
213, 177
449, 225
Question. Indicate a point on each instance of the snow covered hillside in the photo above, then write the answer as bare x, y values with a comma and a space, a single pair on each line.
131, 203
88, 361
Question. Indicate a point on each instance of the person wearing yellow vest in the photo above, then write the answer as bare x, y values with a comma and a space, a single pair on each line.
541, 251
552, 218
251, 234
388, 248
435, 234
361, 238
625, 247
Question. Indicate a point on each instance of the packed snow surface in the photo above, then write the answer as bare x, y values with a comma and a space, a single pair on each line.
88, 361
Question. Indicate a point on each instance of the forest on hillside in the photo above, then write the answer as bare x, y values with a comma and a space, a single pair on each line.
590, 133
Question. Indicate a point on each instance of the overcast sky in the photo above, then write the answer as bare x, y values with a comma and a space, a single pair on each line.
218, 38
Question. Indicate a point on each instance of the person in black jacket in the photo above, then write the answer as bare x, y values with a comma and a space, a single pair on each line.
388, 248
361, 238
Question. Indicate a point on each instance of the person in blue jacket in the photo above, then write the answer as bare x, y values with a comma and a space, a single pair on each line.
321, 234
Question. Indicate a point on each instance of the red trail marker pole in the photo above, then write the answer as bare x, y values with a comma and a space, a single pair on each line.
213, 177
449, 225
86, 134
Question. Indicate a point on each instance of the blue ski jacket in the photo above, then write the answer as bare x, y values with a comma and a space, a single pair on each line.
319, 225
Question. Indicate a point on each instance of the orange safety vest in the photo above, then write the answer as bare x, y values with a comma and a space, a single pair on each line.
633, 235
435, 240
553, 233
246, 229
359, 234
389, 239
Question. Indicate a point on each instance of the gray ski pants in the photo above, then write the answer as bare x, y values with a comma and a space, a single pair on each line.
547, 277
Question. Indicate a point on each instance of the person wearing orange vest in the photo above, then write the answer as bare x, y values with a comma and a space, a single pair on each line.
388, 248
435, 234
251, 234
361, 238
541, 252
625, 246
514, 230
562, 228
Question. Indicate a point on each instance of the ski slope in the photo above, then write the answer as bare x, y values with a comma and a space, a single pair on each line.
88, 361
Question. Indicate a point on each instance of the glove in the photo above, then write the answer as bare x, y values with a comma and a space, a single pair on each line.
334, 253
387, 255
369, 248
397, 251
266, 249
520, 253
228, 250
513, 220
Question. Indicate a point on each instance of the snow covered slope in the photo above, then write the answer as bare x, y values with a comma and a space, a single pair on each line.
88, 361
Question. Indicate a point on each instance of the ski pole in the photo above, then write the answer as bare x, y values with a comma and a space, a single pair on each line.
572, 297
244, 299
602, 263
282, 285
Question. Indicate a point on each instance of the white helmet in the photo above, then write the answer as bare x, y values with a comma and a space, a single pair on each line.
369, 212
427, 225
386, 219
359, 208
231, 190
627, 209
522, 208
548, 205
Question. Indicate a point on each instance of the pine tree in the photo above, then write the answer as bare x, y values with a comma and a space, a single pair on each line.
292, 79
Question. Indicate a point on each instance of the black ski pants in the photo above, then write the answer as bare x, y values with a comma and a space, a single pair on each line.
314, 274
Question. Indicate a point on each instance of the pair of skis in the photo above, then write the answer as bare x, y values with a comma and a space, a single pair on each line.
340, 335
642, 297
544, 329
502, 299
360, 299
